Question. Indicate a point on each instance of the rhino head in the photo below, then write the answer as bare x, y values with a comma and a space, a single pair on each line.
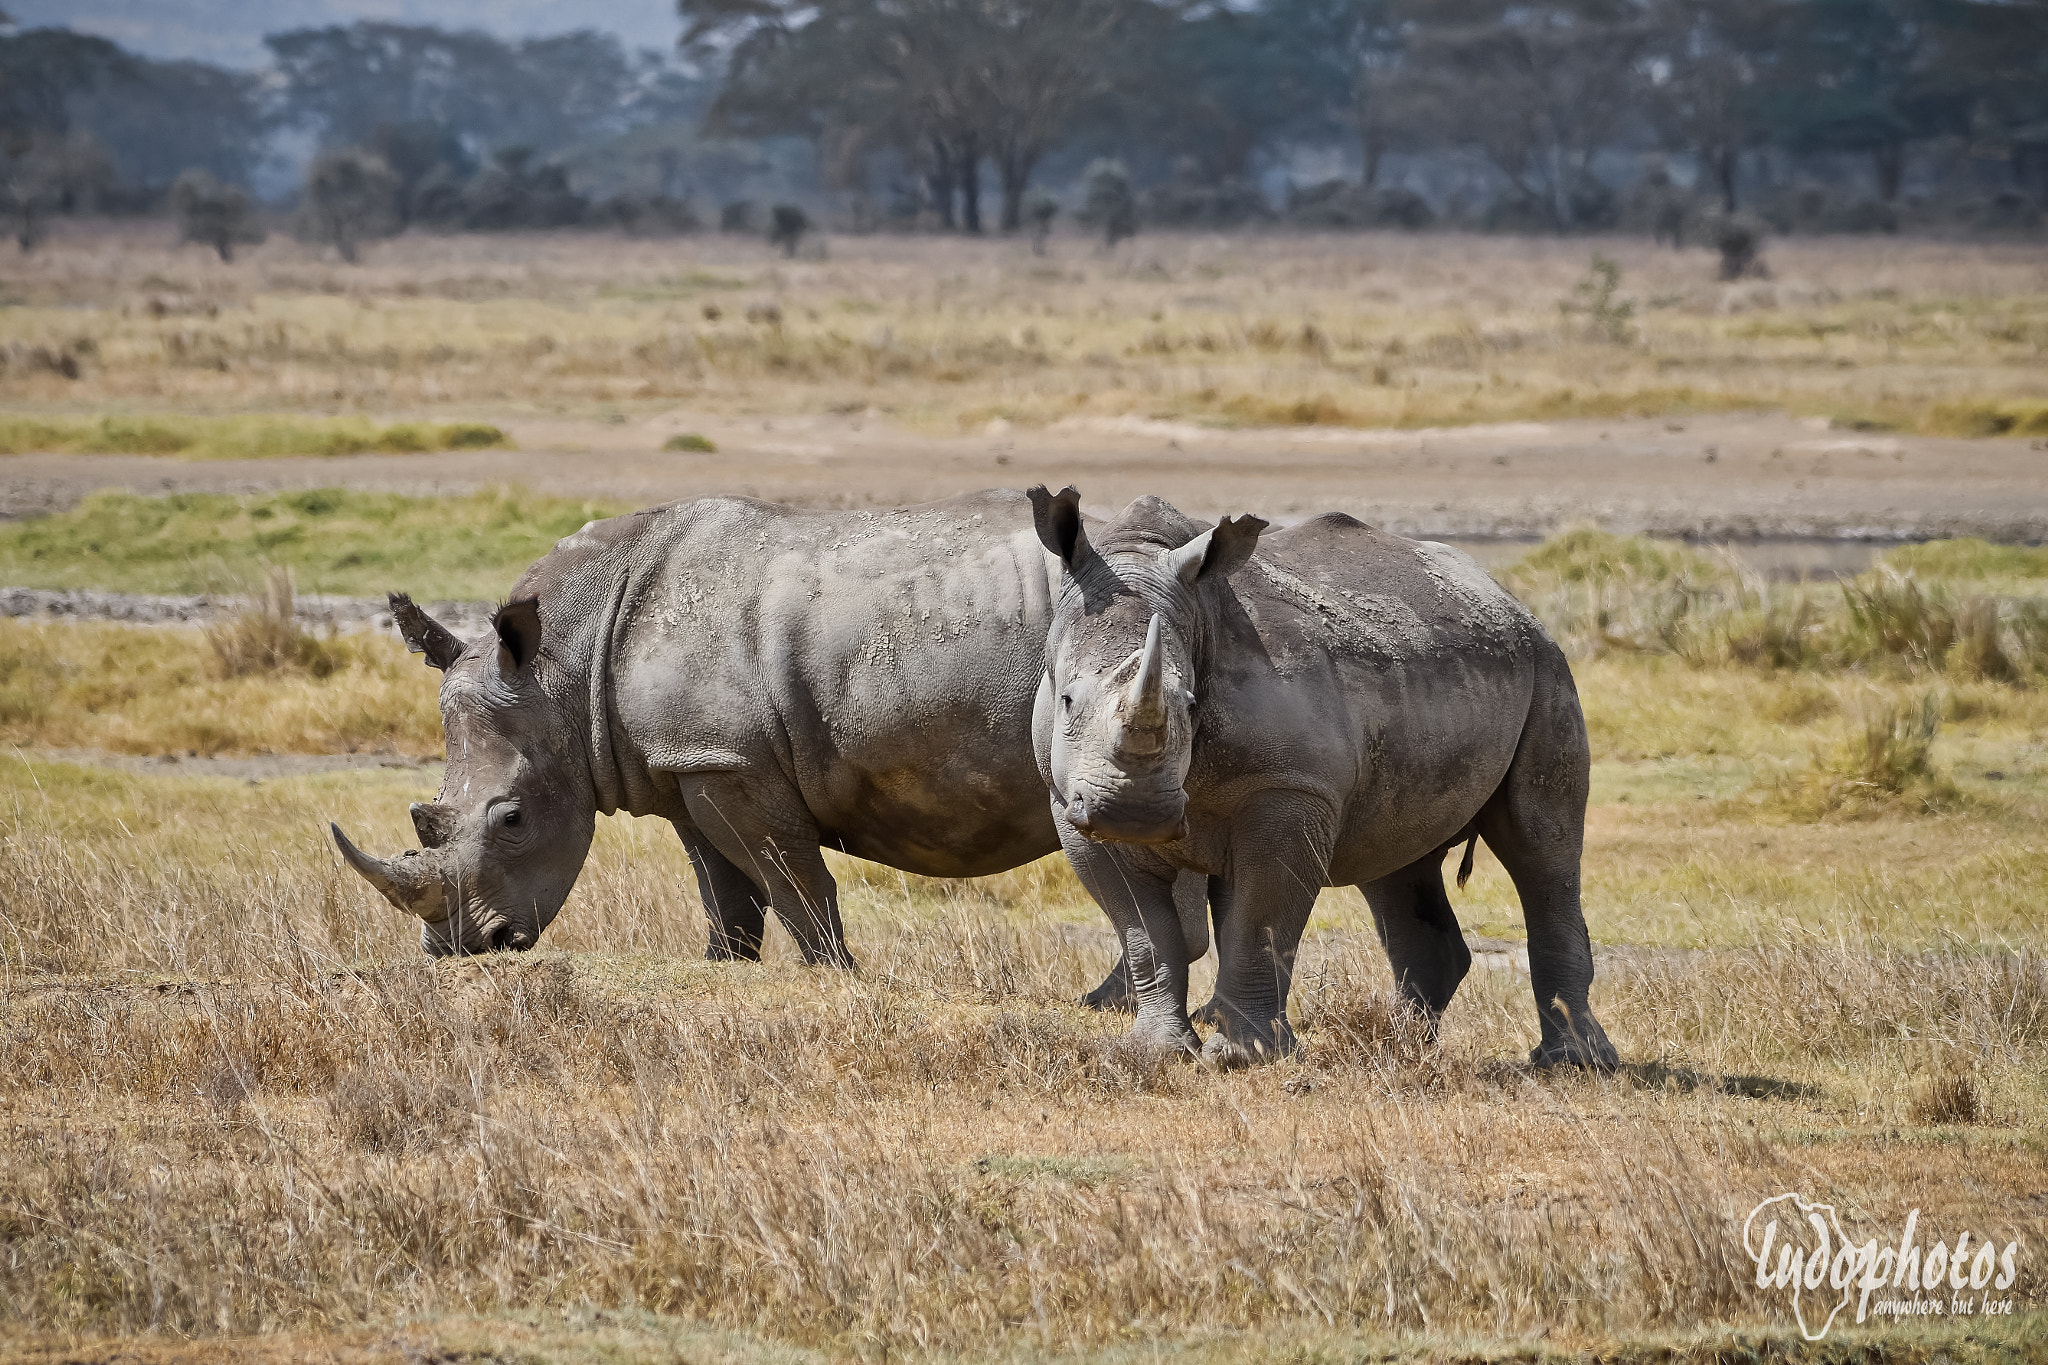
502, 845
1118, 699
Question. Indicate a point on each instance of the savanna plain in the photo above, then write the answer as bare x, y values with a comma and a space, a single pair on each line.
241, 1115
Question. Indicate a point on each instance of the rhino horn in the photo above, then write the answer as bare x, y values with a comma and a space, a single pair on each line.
1144, 708
412, 881
423, 634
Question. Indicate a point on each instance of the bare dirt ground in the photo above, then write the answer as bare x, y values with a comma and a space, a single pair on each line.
1720, 477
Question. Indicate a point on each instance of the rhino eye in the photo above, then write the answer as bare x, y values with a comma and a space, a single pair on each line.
1067, 700
511, 818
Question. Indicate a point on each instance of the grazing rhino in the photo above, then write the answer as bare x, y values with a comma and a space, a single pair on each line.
1328, 706
769, 679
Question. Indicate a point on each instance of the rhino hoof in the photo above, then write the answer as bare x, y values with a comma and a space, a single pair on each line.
1590, 1054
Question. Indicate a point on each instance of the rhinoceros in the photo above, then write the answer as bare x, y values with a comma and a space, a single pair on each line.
1330, 705
770, 680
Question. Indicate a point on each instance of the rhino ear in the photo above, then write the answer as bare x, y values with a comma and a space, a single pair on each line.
1058, 519
1221, 550
518, 627
423, 634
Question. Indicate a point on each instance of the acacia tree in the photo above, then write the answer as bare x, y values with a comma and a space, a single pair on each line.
1712, 65
1868, 77
350, 195
1536, 89
949, 83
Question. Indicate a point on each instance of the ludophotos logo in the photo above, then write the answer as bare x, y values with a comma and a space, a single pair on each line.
1800, 1249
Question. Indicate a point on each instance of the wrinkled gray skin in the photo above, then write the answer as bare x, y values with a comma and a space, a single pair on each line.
1328, 705
766, 678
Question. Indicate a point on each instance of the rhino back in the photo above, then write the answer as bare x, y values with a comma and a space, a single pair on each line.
882, 661
1395, 672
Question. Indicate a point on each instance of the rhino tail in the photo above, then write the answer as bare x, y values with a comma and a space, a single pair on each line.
1465, 863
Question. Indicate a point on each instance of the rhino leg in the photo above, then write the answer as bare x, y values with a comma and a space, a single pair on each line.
1420, 933
736, 908
1191, 903
1136, 891
777, 852
1114, 995
1279, 856
1536, 825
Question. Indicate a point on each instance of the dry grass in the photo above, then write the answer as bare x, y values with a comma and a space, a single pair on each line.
240, 438
236, 1099
256, 686
1379, 330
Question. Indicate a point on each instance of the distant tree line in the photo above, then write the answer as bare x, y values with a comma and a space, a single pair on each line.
1536, 90
960, 114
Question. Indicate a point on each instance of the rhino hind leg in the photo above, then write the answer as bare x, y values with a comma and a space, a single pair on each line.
736, 908
1536, 825
756, 835
1420, 933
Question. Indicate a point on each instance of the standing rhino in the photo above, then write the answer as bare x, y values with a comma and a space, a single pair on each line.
1329, 706
768, 679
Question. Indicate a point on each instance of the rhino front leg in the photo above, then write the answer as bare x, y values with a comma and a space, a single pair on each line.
1279, 853
1138, 898
1191, 903
777, 849
736, 908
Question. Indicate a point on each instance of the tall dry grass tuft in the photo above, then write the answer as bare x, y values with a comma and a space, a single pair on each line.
1886, 759
1953, 1098
267, 636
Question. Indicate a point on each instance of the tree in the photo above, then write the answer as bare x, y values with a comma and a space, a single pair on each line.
1537, 90
544, 93
1866, 77
159, 119
47, 174
350, 195
424, 156
1109, 203
1712, 64
947, 83
213, 214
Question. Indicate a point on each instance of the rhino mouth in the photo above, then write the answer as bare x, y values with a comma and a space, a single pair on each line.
1107, 820
495, 934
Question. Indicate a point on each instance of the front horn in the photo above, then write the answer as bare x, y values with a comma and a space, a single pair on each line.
411, 881
1144, 708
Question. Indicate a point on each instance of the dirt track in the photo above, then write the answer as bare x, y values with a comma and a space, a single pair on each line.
1736, 477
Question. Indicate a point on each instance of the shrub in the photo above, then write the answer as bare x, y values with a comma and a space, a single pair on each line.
1953, 1098
691, 443
350, 197
213, 214
267, 638
787, 225
1107, 202
1886, 761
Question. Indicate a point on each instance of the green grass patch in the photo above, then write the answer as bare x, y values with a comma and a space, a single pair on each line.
690, 443
240, 438
1970, 559
333, 540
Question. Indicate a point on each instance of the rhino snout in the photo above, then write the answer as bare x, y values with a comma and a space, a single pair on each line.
1107, 821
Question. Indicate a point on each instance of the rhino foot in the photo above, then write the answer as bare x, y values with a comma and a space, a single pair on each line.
1114, 995
1593, 1053
1226, 1053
